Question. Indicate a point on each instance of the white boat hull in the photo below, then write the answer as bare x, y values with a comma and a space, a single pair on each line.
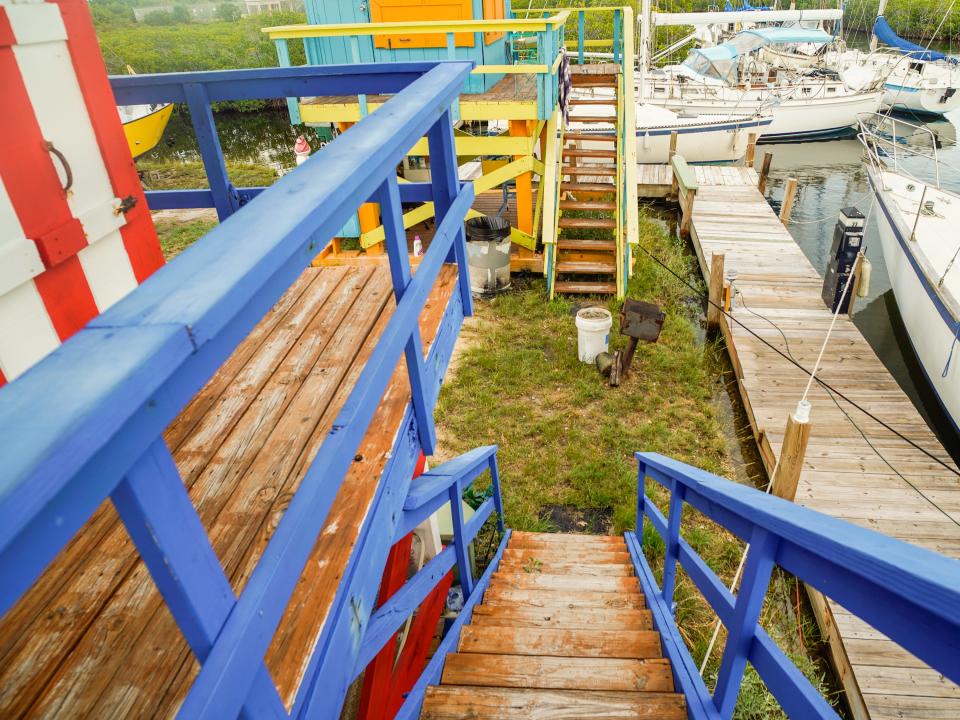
931, 334
930, 101
793, 118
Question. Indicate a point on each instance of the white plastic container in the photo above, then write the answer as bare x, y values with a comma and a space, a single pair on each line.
593, 333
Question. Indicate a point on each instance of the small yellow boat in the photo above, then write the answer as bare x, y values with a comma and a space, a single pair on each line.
144, 125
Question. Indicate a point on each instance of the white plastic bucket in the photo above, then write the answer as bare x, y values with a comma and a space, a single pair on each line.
593, 333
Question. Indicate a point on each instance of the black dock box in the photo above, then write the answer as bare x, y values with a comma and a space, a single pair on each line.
847, 241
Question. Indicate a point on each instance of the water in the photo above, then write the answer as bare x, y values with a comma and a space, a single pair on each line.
830, 176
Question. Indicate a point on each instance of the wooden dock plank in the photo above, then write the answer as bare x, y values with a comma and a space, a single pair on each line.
92, 637
879, 481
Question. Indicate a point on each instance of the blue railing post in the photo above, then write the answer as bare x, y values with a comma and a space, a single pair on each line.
641, 499
497, 497
459, 539
746, 614
160, 518
203, 126
672, 554
445, 183
395, 239
581, 26
616, 37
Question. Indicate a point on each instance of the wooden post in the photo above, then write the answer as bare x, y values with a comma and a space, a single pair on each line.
674, 136
686, 211
792, 453
789, 195
716, 292
751, 150
764, 172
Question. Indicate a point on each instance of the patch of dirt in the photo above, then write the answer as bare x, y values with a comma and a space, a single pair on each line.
571, 519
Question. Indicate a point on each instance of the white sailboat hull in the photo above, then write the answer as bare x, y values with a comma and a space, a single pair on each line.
925, 309
930, 101
797, 116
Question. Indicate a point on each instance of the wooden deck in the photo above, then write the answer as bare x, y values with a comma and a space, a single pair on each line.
655, 181
93, 637
563, 631
901, 493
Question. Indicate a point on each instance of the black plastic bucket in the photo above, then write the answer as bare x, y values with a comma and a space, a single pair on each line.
487, 229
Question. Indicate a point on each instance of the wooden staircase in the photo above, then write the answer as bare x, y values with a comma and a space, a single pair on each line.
587, 240
563, 632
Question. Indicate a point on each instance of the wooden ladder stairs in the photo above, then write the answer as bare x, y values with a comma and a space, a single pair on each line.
563, 632
587, 255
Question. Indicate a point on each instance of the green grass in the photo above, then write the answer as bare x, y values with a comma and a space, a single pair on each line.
176, 236
187, 175
567, 440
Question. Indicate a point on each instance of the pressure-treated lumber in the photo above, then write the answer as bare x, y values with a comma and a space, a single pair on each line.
546, 643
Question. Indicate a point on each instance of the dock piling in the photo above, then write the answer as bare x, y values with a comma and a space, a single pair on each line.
716, 292
787, 477
751, 150
790, 194
764, 172
674, 137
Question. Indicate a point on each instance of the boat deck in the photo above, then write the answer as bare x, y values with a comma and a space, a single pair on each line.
901, 493
93, 638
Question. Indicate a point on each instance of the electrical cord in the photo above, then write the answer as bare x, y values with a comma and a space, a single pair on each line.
825, 385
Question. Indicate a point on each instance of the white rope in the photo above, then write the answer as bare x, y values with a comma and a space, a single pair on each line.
776, 466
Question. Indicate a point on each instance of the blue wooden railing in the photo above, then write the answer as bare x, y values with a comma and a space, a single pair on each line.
910, 594
86, 423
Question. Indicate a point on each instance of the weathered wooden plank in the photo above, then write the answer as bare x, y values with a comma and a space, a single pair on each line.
544, 581
452, 702
561, 599
585, 618
561, 642
561, 673
562, 566
565, 555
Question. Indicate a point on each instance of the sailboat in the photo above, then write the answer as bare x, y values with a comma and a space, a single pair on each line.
733, 78
700, 138
143, 126
918, 218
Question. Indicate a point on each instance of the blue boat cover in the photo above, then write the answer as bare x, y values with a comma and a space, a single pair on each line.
887, 36
789, 35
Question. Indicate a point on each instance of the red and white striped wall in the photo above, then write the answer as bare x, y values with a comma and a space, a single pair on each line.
75, 232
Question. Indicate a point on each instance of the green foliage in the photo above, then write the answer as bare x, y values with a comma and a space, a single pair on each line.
228, 12
197, 46
184, 176
112, 14
179, 15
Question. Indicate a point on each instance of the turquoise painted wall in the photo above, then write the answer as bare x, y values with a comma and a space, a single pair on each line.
335, 51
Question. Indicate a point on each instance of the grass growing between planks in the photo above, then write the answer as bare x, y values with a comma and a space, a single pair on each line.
567, 440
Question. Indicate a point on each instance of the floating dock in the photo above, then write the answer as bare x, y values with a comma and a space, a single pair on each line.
902, 493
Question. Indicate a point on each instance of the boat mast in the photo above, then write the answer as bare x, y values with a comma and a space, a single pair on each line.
645, 19
874, 41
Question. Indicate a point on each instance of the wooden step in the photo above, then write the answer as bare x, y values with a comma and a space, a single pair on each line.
592, 170
587, 618
455, 702
520, 539
583, 267
548, 672
560, 642
592, 223
593, 101
595, 119
587, 205
586, 81
577, 152
587, 187
585, 555
563, 598
549, 581
581, 287
565, 568
587, 245
599, 137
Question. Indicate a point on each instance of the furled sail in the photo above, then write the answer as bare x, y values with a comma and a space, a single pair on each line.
887, 36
